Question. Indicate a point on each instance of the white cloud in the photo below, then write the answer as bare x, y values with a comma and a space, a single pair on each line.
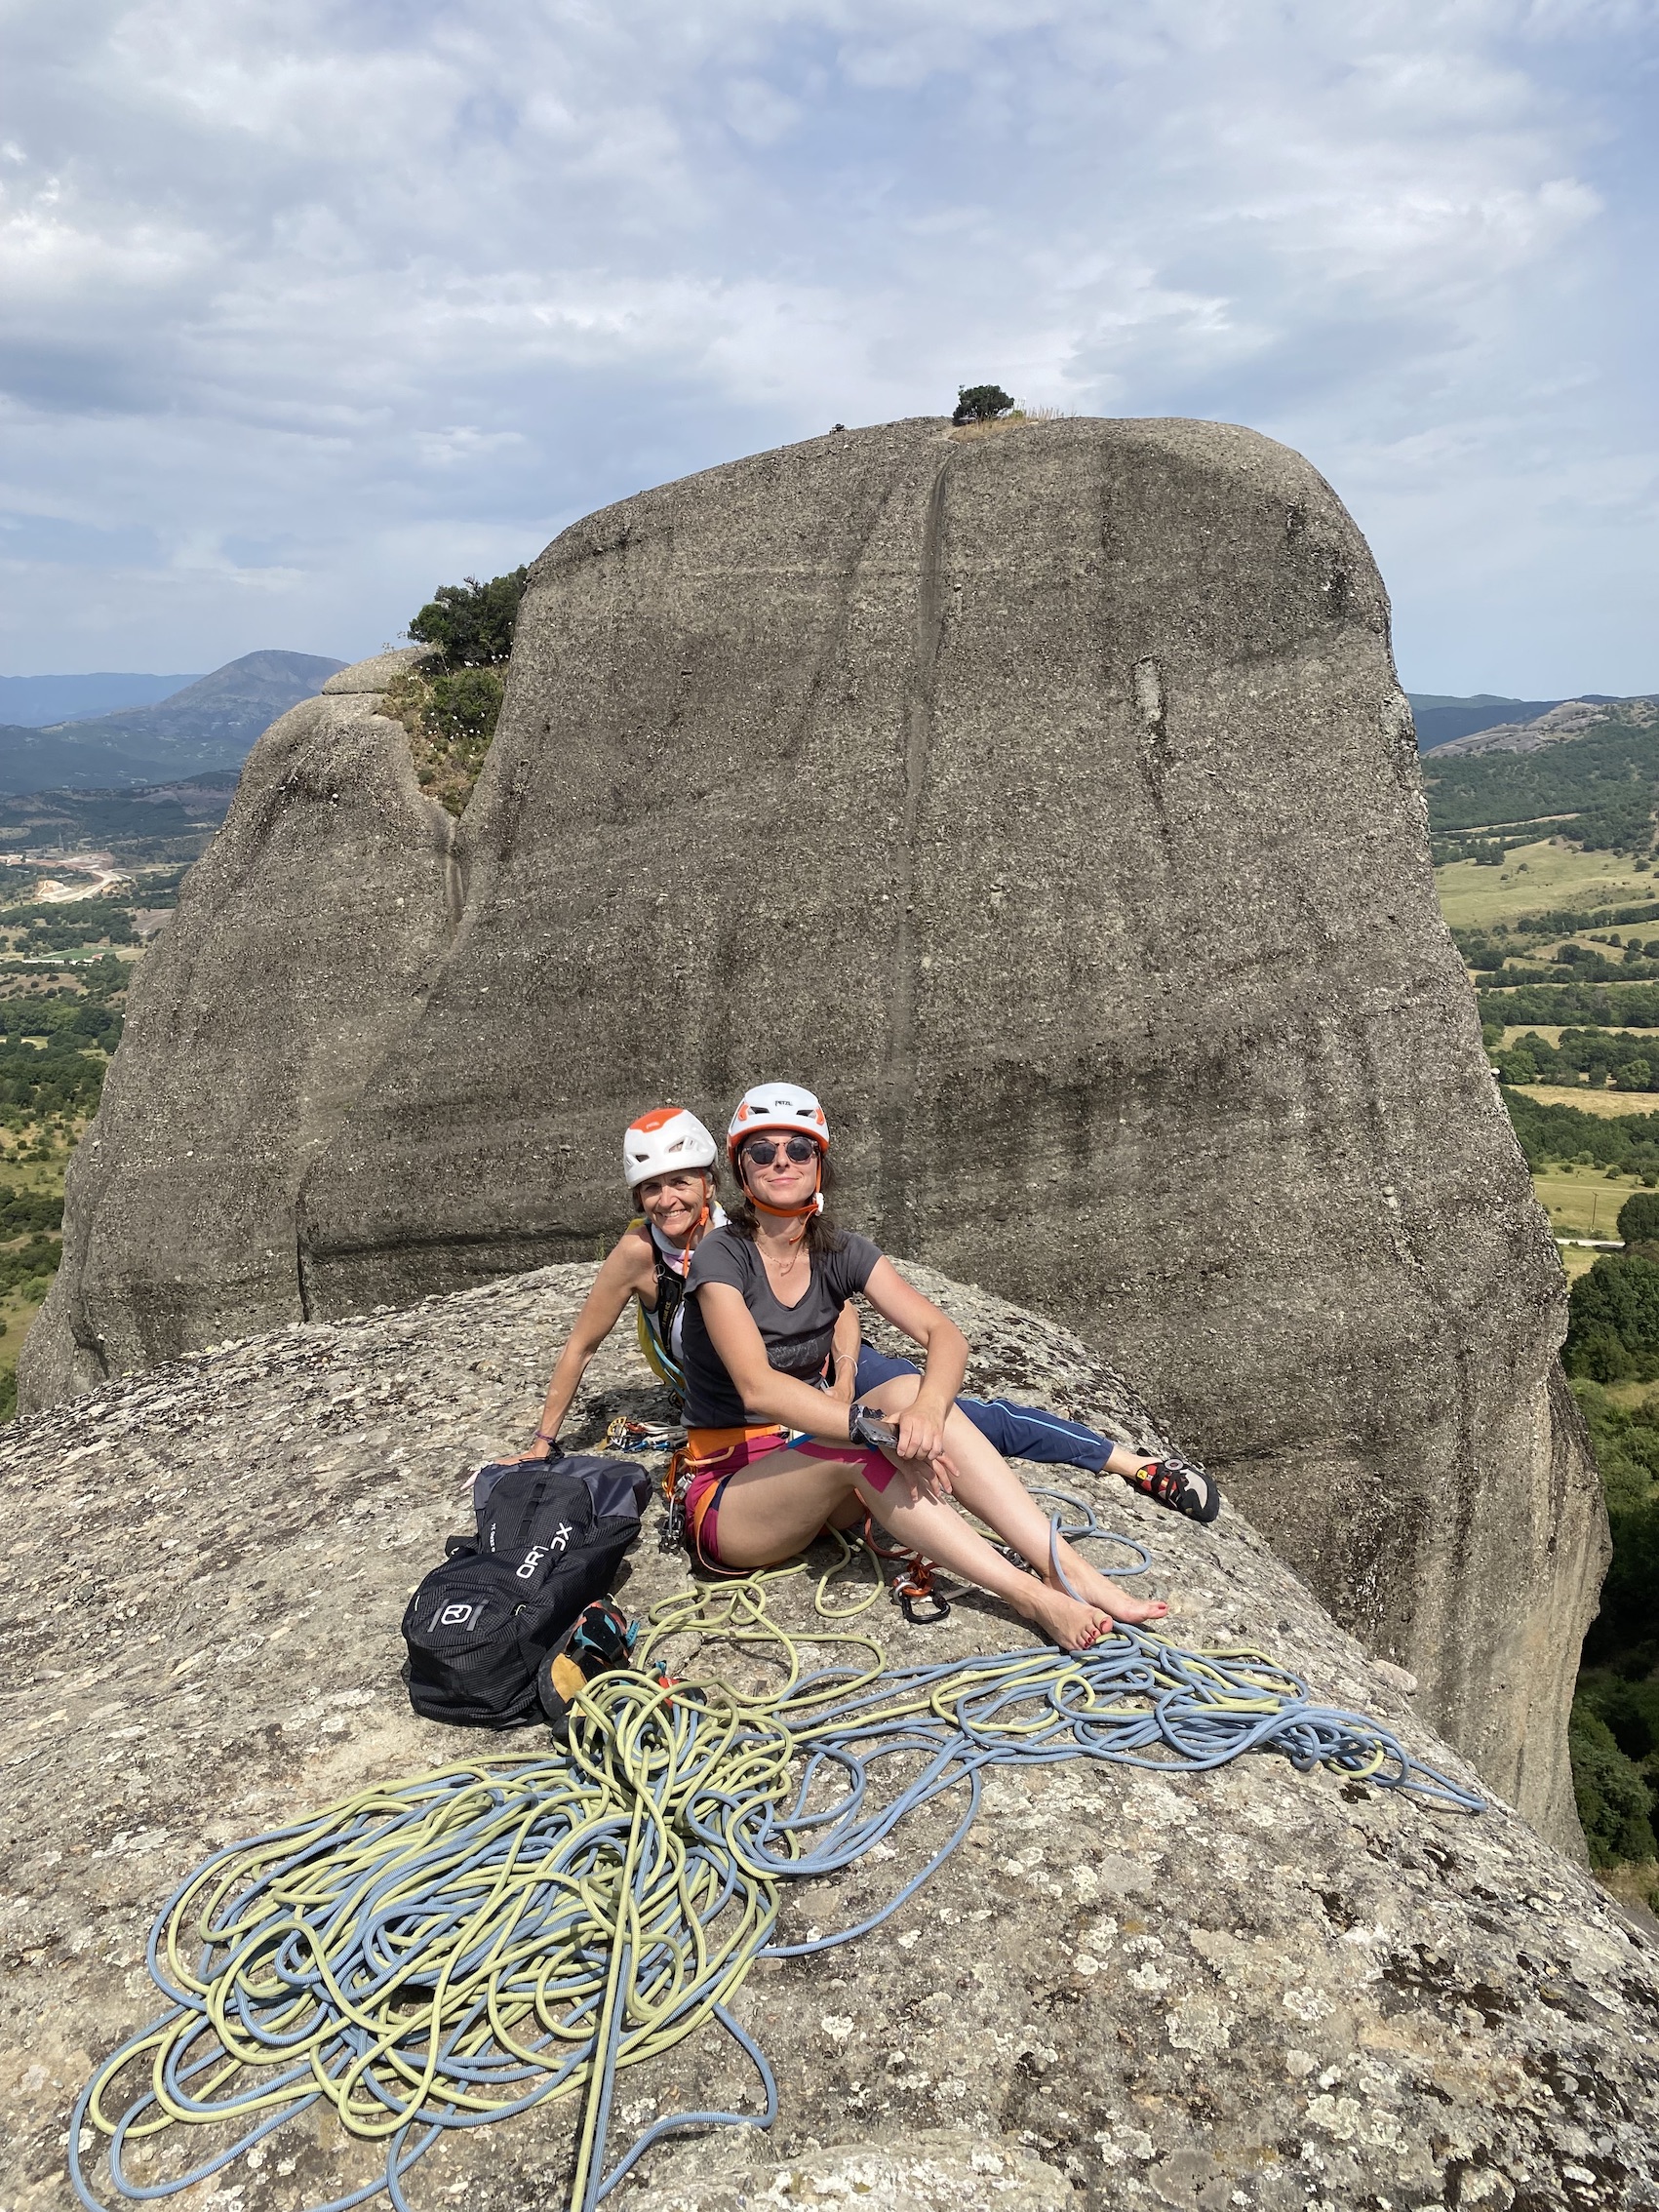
360, 297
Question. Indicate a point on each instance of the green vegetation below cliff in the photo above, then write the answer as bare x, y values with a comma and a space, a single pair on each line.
1603, 782
1614, 1735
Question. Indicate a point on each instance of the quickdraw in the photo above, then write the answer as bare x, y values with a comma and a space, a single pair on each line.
676, 1481
625, 1435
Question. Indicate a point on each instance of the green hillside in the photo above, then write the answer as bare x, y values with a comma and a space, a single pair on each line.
1598, 787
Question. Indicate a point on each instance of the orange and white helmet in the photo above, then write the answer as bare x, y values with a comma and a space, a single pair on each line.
777, 1106
666, 1141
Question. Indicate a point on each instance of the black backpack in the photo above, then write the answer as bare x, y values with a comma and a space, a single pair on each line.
551, 1535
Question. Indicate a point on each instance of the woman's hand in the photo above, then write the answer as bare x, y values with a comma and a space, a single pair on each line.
930, 1478
920, 1454
922, 1427
540, 1449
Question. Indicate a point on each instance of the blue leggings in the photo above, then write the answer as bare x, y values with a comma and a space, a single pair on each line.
1018, 1431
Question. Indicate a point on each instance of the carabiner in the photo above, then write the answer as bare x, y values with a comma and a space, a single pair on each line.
908, 1595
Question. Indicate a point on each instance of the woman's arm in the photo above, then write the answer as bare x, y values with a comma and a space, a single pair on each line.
627, 1269
843, 1353
768, 1396
922, 1424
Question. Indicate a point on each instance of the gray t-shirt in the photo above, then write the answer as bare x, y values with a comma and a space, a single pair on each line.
797, 1337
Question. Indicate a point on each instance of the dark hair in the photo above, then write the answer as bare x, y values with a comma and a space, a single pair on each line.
822, 1235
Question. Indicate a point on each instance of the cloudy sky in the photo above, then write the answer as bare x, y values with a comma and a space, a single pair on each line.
312, 306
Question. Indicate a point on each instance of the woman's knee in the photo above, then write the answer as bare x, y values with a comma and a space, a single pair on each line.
894, 1395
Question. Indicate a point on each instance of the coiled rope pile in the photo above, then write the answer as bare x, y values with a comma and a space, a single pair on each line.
446, 1952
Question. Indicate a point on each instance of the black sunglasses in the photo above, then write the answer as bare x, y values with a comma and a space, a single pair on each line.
763, 1151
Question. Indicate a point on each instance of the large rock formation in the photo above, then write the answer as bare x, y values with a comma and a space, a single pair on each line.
1046, 799
1252, 1989
263, 1011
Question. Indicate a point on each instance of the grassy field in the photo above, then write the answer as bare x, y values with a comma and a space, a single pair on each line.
1583, 1201
1592, 1100
1535, 878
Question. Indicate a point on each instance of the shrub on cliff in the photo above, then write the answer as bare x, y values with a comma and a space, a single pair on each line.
472, 623
449, 708
464, 706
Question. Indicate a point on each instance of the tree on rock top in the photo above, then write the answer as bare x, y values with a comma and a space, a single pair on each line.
451, 702
980, 402
472, 623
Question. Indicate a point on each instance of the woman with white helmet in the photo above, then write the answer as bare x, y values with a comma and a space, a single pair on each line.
772, 1457
668, 1162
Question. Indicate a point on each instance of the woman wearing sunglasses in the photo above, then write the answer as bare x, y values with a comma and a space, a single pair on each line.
773, 1456
668, 1164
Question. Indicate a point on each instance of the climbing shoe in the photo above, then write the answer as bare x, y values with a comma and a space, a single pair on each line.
1179, 1484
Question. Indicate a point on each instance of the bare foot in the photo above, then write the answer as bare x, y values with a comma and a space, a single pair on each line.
1073, 1625
1092, 1586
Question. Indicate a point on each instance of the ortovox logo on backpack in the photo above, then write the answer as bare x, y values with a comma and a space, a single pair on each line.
537, 1558
551, 1535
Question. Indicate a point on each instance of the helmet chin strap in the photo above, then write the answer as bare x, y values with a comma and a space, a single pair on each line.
696, 1231
699, 1226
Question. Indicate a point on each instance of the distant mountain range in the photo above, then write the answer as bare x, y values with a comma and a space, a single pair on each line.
210, 724
1441, 720
35, 702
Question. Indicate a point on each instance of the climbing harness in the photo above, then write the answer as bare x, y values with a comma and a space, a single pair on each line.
518, 1926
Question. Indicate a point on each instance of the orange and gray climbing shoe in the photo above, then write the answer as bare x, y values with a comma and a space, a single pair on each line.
1179, 1484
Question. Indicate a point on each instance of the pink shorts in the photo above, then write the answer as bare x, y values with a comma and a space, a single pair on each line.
715, 1455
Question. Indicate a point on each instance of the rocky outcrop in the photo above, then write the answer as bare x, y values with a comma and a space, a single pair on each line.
1250, 1989
1046, 799
251, 1029
1572, 718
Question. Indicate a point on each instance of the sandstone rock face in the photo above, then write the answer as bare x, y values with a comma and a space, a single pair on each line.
1252, 1989
1046, 800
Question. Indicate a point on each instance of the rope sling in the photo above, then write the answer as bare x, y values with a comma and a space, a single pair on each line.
446, 1952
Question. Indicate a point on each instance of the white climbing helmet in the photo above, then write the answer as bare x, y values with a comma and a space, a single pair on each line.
666, 1141
777, 1106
